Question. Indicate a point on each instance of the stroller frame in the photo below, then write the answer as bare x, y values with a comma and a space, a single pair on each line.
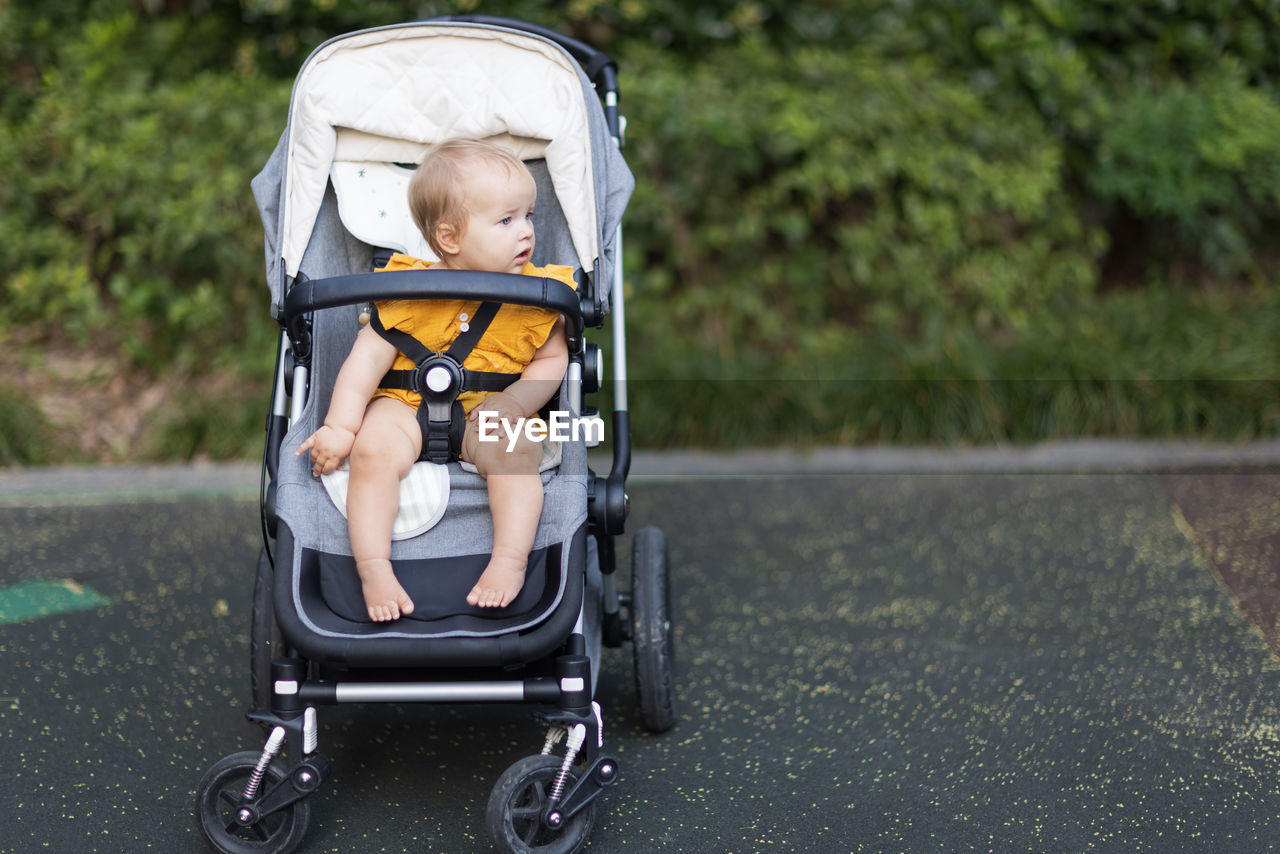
257, 800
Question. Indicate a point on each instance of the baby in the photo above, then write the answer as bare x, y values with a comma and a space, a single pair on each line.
473, 202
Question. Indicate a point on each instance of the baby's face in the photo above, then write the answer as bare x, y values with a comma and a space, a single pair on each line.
499, 232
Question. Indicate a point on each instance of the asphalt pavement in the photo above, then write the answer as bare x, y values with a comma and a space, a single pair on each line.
1063, 648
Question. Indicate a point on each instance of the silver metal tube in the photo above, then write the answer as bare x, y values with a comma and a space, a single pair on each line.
278, 405
575, 389
580, 627
299, 394
619, 331
429, 692
610, 593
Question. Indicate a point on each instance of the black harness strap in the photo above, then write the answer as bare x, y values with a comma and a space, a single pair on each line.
457, 351
402, 341
440, 415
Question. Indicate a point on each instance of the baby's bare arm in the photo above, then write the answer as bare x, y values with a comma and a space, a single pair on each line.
370, 358
537, 384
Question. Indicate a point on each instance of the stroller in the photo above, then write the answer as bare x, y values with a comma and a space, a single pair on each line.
365, 107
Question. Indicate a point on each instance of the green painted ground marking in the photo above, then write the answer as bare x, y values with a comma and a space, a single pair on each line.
32, 599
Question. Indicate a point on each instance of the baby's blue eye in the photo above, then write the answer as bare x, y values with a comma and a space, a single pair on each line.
505, 221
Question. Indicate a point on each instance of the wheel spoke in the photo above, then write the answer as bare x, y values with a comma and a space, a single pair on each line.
528, 809
527, 813
530, 835
261, 832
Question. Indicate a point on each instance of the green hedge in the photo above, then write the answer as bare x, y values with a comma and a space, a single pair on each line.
821, 191
125, 204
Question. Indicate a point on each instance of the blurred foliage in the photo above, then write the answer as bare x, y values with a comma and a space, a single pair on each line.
1202, 158
890, 199
124, 205
1178, 365
854, 221
26, 437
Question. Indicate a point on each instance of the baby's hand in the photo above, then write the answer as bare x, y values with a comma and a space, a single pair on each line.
503, 405
329, 446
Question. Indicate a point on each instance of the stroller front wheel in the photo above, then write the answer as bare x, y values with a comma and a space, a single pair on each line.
218, 804
514, 814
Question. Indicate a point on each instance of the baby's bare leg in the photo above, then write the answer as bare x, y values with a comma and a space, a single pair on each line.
386, 447
515, 502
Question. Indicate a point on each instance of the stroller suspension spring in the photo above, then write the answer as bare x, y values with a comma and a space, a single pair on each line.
310, 737
577, 736
268, 753
555, 735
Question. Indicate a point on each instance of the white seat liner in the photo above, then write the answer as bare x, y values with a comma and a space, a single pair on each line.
374, 205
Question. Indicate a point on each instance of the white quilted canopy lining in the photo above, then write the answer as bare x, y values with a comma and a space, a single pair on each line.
390, 94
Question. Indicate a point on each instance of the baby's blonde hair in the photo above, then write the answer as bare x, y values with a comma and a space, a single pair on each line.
437, 192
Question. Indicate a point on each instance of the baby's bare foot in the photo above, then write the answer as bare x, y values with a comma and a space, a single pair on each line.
500, 582
383, 596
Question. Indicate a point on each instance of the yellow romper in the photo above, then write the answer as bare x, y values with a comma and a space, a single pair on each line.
507, 347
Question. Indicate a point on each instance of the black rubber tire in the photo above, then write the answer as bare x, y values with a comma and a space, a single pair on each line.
653, 640
513, 816
265, 642
217, 798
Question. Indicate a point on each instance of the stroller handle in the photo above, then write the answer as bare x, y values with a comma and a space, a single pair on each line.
308, 295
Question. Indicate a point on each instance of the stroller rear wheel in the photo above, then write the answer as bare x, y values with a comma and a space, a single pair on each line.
651, 632
514, 814
265, 642
218, 806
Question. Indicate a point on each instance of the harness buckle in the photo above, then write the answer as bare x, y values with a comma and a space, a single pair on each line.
438, 378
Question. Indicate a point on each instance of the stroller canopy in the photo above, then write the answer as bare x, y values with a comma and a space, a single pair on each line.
386, 95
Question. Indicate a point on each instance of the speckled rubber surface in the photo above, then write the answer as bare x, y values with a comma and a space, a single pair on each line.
961, 662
